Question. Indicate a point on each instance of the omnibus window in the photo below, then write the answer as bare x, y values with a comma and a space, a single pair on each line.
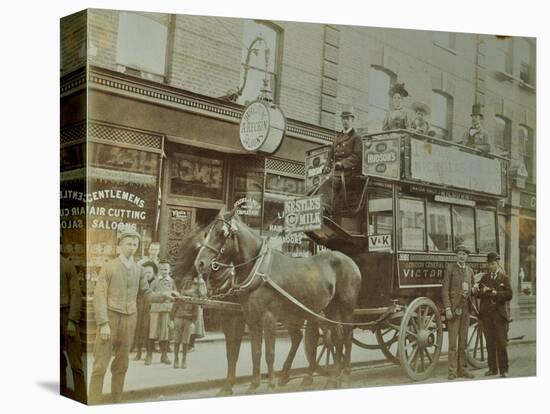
463, 227
439, 227
412, 224
380, 211
486, 231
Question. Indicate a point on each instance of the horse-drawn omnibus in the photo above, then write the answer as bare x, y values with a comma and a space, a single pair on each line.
414, 201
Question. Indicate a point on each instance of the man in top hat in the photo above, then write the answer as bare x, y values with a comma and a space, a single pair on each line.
476, 136
457, 286
115, 308
419, 124
494, 291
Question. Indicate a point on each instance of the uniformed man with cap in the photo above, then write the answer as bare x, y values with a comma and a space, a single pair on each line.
494, 291
457, 287
476, 136
346, 160
115, 312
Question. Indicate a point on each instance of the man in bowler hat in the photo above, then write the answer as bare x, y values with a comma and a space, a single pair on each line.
115, 308
494, 291
476, 136
457, 287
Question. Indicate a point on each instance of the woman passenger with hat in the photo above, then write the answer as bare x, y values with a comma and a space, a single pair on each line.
419, 125
457, 286
494, 291
397, 117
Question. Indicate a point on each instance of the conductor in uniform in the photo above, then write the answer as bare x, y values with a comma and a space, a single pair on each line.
457, 288
494, 291
116, 312
346, 159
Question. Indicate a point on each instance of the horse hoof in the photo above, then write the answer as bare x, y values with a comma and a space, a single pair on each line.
271, 386
283, 380
331, 384
307, 381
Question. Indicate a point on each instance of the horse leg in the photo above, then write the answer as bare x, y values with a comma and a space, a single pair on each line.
269, 334
312, 339
337, 339
255, 331
233, 329
348, 341
295, 333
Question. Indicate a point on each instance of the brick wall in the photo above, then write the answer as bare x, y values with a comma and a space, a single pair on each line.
73, 42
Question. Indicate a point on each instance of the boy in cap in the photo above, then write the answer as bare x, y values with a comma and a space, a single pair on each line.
115, 312
476, 136
494, 291
457, 286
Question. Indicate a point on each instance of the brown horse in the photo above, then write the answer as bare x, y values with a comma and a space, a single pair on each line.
328, 283
232, 323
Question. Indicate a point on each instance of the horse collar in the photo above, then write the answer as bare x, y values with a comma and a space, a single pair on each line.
261, 269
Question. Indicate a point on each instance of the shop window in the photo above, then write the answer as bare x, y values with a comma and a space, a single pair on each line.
380, 81
463, 227
486, 231
255, 69
439, 227
141, 43
247, 197
196, 176
125, 159
442, 114
412, 224
527, 256
445, 40
527, 150
502, 132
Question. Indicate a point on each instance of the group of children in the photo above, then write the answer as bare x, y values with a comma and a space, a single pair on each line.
179, 319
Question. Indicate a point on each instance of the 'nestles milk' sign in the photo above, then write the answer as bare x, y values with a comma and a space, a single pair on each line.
303, 214
381, 158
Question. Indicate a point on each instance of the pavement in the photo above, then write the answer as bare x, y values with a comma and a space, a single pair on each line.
206, 365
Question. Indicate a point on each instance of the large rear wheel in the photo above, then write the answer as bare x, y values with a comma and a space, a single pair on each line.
477, 346
420, 339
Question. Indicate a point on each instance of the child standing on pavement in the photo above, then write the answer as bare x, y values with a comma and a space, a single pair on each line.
160, 315
184, 316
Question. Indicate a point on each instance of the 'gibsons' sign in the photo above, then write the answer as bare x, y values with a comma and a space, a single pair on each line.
304, 214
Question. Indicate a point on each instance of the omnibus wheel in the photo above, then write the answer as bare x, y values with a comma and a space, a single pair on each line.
420, 339
477, 345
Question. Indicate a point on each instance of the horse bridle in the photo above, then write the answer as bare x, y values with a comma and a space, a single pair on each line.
215, 264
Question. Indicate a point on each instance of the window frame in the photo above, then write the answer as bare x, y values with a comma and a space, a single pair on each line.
495, 228
449, 208
507, 132
400, 228
375, 106
449, 109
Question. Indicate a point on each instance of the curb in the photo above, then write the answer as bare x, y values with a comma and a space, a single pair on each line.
166, 390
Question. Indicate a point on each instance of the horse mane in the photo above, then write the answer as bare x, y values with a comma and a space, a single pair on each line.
187, 252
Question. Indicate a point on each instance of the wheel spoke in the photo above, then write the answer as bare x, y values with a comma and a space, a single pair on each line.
430, 321
422, 360
429, 356
412, 356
